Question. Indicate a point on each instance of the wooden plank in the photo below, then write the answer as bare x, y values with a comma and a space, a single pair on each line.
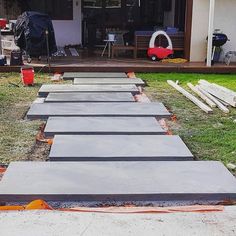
201, 95
192, 98
226, 95
218, 104
205, 82
225, 89
224, 103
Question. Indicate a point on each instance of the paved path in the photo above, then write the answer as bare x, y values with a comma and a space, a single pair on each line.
41, 223
130, 167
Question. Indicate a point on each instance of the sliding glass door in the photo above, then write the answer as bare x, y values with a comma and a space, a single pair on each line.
128, 16
103, 16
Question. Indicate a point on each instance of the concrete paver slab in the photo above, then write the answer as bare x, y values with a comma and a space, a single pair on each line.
65, 88
108, 81
89, 97
72, 75
43, 111
102, 125
118, 181
119, 148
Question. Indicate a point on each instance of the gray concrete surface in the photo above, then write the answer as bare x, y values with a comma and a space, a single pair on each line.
65, 88
89, 97
72, 75
119, 148
39, 100
108, 81
117, 181
47, 223
43, 111
102, 125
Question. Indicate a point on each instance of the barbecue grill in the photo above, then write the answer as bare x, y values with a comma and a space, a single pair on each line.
219, 39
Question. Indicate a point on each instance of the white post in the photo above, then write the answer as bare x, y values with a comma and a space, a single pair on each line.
210, 32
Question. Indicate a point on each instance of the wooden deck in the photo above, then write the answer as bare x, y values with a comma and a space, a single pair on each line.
93, 64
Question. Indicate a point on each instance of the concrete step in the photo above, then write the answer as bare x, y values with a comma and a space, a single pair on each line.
67, 88
89, 97
132, 109
102, 125
108, 81
119, 148
72, 75
196, 182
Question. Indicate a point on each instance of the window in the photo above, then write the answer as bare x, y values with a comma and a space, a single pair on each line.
102, 3
113, 3
92, 3
133, 10
56, 9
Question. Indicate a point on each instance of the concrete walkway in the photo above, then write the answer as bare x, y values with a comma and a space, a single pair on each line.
53, 180
47, 223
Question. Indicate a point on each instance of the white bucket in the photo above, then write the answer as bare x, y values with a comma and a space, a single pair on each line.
111, 37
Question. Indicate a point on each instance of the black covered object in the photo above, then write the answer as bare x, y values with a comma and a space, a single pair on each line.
30, 34
16, 58
3, 60
219, 39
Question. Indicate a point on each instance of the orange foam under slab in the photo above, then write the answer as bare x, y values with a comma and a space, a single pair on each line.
42, 205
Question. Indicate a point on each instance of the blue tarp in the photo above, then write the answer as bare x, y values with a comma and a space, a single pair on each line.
30, 34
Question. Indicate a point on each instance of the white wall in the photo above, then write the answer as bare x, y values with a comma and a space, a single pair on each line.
199, 30
224, 20
69, 31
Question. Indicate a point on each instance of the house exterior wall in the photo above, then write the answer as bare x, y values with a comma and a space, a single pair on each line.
66, 31
199, 30
69, 32
224, 20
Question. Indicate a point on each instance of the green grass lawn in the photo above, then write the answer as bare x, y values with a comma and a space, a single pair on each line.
209, 137
17, 136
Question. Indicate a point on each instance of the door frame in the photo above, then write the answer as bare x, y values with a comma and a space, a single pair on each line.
188, 29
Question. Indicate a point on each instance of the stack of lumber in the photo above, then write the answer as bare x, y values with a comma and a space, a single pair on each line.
223, 94
212, 94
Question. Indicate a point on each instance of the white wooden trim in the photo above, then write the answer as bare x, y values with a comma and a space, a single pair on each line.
224, 94
201, 95
219, 105
210, 32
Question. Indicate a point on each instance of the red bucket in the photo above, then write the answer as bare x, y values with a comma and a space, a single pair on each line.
3, 23
27, 75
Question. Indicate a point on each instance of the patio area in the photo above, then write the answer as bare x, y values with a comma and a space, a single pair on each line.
103, 64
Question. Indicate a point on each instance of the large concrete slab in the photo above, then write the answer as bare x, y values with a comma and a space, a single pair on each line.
119, 148
90, 97
43, 111
66, 88
118, 181
108, 81
72, 75
102, 125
